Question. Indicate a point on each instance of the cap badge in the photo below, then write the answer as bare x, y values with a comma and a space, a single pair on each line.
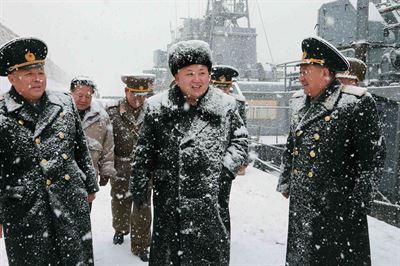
222, 78
30, 57
141, 88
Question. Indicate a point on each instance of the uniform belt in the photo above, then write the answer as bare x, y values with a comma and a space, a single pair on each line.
123, 158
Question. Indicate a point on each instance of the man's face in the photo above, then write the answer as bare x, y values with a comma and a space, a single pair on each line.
193, 81
135, 101
314, 79
225, 88
347, 81
82, 96
29, 83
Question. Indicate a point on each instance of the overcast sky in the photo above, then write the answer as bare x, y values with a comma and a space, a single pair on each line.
104, 39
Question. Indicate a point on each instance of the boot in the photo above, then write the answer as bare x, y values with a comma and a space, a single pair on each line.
143, 255
118, 238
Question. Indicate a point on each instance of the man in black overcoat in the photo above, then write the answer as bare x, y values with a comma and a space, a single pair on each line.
47, 176
332, 163
192, 137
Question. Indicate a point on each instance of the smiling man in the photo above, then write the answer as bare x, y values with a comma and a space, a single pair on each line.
47, 177
332, 163
97, 127
192, 137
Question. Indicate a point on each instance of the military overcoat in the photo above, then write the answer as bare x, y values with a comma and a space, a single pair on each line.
331, 167
46, 175
188, 149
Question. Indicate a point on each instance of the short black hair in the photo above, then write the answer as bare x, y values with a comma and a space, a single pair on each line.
82, 81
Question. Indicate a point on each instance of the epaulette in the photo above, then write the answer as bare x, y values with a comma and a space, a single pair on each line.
298, 93
111, 105
354, 90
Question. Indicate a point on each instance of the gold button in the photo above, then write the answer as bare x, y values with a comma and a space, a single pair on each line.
61, 135
65, 156
37, 141
21, 122
313, 154
67, 177
299, 132
43, 161
296, 152
295, 171
48, 182
316, 136
62, 114
327, 118
310, 174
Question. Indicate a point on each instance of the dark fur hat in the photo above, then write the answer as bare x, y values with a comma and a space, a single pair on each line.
187, 53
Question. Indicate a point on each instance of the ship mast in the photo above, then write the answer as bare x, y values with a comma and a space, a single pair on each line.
225, 13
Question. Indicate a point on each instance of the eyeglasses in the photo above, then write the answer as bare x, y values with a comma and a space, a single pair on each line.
86, 96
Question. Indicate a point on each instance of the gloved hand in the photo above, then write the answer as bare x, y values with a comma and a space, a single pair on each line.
103, 180
138, 201
226, 174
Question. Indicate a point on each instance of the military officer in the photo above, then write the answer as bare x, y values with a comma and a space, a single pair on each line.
332, 163
355, 74
127, 118
222, 78
47, 175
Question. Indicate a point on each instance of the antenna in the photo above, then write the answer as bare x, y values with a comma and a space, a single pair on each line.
265, 32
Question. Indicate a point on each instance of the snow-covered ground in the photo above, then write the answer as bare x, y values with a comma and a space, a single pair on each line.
259, 228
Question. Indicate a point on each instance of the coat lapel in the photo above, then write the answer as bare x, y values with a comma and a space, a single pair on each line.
129, 116
321, 108
198, 123
48, 115
13, 106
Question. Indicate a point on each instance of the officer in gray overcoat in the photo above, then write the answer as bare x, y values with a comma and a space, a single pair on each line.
47, 176
332, 163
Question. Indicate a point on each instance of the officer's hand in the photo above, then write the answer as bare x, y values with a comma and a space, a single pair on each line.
285, 194
91, 197
226, 174
103, 180
138, 203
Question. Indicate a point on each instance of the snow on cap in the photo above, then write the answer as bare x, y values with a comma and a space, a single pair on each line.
356, 71
139, 83
82, 81
321, 52
187, 53
22, 53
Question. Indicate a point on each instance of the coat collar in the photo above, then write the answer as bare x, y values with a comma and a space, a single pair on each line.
14, 103
126, 113
93, 114
209, 106
309, 112
209, 103
17, 104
